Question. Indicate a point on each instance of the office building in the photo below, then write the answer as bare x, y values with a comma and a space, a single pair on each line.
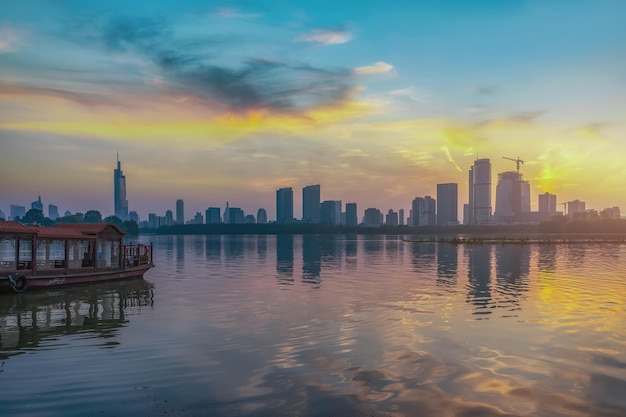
479, 188
391, 219
37, 205
575, 207
212, 215
17, 211
351, 215
261, 216
401, 217
284, 205
512, 197
330, 212
249, 219
133, 216
169, 218
447, 204
547, 203
372, 217
119, 192
197, 219
227, 214
236, 215
423, 211
2, 215
180, 211
53, 212
311, 204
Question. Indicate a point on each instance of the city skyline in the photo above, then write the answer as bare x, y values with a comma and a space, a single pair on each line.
230, 102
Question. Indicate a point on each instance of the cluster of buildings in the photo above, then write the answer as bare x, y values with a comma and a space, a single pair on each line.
512, 206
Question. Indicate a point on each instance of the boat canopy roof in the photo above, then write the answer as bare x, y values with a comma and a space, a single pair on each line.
80, 231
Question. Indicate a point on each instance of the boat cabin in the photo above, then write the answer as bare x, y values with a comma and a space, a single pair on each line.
67, 248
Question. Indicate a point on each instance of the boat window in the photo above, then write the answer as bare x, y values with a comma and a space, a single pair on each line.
51, 254
7, 254
26, 254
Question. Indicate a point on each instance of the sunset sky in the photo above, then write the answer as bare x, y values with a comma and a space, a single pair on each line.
377, 101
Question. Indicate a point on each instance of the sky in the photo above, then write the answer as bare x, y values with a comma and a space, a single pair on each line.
377, 101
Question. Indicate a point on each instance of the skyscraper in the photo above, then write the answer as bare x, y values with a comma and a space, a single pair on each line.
212, 215
351, 216
37, 205
512, 197
330, 212
311, 204
547, 203
284, 205
180, 211
447, 204
119, 192
53, 212
423, 211
479, 183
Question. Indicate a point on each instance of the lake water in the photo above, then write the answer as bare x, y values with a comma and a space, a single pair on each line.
327, 326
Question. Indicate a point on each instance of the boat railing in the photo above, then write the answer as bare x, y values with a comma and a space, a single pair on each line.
137, 255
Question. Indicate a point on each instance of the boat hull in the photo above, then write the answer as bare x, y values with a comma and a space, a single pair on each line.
50, 281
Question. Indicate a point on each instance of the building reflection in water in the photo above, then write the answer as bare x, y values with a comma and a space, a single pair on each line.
479, 277
447, 264
284, 259
392, 248
233, 247
423, 256
261, 248
312, 258
546, 258
512, 269
180, 253
373, 249
98, 310
351, 246
213, 248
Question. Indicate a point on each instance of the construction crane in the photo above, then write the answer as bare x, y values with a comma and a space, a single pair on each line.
517, 162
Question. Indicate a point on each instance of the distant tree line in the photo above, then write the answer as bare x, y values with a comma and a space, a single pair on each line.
558, 225
35, 216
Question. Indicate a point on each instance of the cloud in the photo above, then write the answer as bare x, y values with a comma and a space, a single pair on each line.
486, 89
527, 116
377, 68
326, 37
233, 13
446, 151
10, 38
412, 93
253, 84
86, 98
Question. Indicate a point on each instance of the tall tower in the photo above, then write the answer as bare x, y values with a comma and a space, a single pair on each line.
180, 211
119, 191
479, 182
447, 204
311, 204
284, 205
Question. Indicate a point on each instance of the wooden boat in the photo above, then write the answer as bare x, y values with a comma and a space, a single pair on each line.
43, 257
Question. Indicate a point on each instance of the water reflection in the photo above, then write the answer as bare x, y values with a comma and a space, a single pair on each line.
479, 277
31, 320
546, 258
447, 264
311, 259
284, 259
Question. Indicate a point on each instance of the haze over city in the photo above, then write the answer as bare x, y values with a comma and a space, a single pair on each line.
215, 102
